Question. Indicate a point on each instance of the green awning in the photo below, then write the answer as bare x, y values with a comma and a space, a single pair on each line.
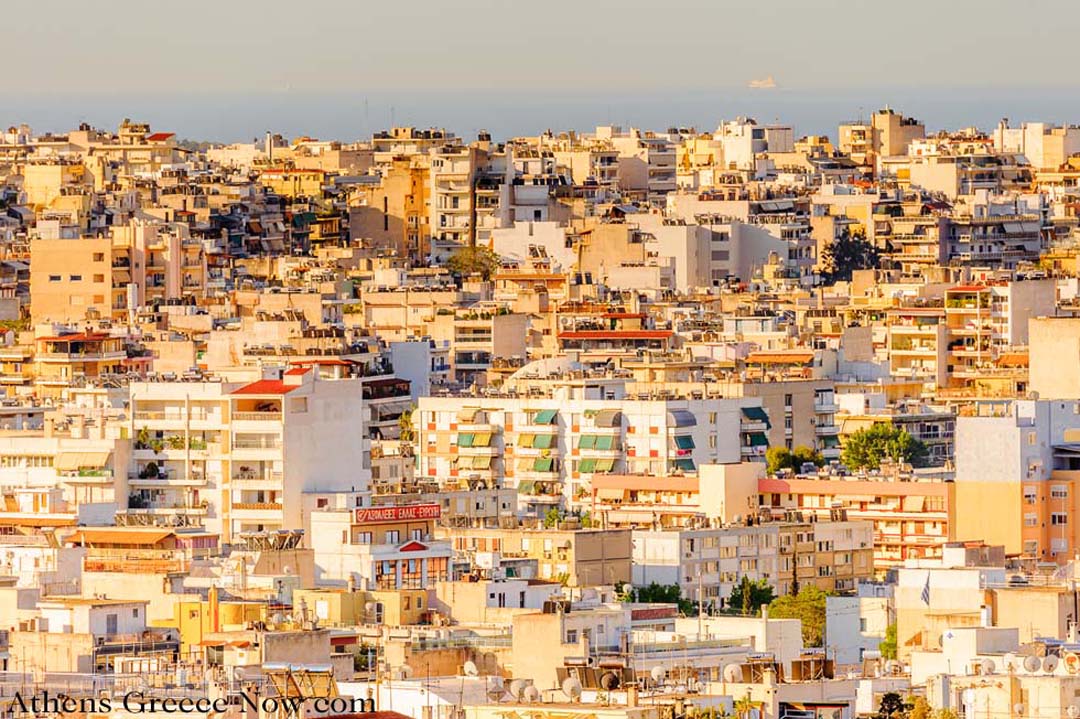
526, 487
684, 441
543, 464
465, 439
543, 441
605, 465
757, 439
546, 416
587, 465
685, 464
830, 441
605, 442
757, 414
587, 441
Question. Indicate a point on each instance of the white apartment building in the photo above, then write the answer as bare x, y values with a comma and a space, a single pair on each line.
550, 447
237, 457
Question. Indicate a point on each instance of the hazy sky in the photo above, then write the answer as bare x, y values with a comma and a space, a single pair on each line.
370, 45
230, 69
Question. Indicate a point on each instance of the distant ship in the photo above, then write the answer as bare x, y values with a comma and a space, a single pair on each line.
767, 84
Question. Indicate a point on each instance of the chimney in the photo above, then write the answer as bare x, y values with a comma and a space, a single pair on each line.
269, 147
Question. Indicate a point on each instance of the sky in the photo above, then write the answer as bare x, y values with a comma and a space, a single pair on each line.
231, 69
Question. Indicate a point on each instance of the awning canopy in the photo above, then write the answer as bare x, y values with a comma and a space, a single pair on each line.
546, 416
685, 464
587, 465
543, 441
684, 441
608, 418
681, 418
71, 461
757, 414
609, 494
757, 439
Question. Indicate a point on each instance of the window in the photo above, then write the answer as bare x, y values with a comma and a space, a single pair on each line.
571, 636
416, 535
787, 400
99, 257
393, 536
712, 441
1059, 518
54, 278
75, 278
862, 624
363, 538
788, 423
110, 624
1059, 491
99, 278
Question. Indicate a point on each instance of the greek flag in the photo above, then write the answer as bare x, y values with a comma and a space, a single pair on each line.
926, 591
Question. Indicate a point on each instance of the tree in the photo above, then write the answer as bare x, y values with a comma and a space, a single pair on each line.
472, 260
662, 594
808, 606
868, 447
749, 597
405, 424
888, 644
744, 707
849, 252
552, 518
778, 458
892, 706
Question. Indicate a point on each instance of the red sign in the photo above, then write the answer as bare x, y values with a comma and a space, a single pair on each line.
405, 513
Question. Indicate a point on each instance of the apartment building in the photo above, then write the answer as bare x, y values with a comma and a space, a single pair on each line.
550, 448
887, 133
384, 547
911, 519
1016, 477
798, 412
238, 457
646, 162
568, 553
73, 279
708, 563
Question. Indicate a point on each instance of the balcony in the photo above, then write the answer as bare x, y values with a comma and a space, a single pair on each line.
264, 416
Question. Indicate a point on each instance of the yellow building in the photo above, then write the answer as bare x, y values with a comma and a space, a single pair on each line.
393, 214
293, 183
346, 608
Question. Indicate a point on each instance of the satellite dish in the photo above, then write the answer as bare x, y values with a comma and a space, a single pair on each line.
531, 694
571, 687
1050, 664
1072, 711
470, 669
658, 673
609, 681
517, 688
1032, 664
733, 673
892, 667
988, 666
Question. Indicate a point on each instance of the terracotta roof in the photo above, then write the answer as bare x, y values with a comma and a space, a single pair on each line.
297, 371
140, 537
968, 288
780, 357
333, 362
1014, 359
266, 386
78, 337
160, 136
616, 335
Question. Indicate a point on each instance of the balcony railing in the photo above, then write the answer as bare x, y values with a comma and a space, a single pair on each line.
257, 416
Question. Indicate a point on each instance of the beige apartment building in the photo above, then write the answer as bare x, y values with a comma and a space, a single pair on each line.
72, 280
581, 557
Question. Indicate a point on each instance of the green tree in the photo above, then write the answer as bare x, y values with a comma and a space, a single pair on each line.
744, 707
778, 458
867, 448
808, 606
849, 252
749, 596
474, 260
552, 518
920, 708
888, 644
654, 593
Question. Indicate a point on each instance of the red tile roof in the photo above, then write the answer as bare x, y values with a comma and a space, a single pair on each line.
296, 371
616, 335
265, 386
968, 288
160, 136
78, 337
